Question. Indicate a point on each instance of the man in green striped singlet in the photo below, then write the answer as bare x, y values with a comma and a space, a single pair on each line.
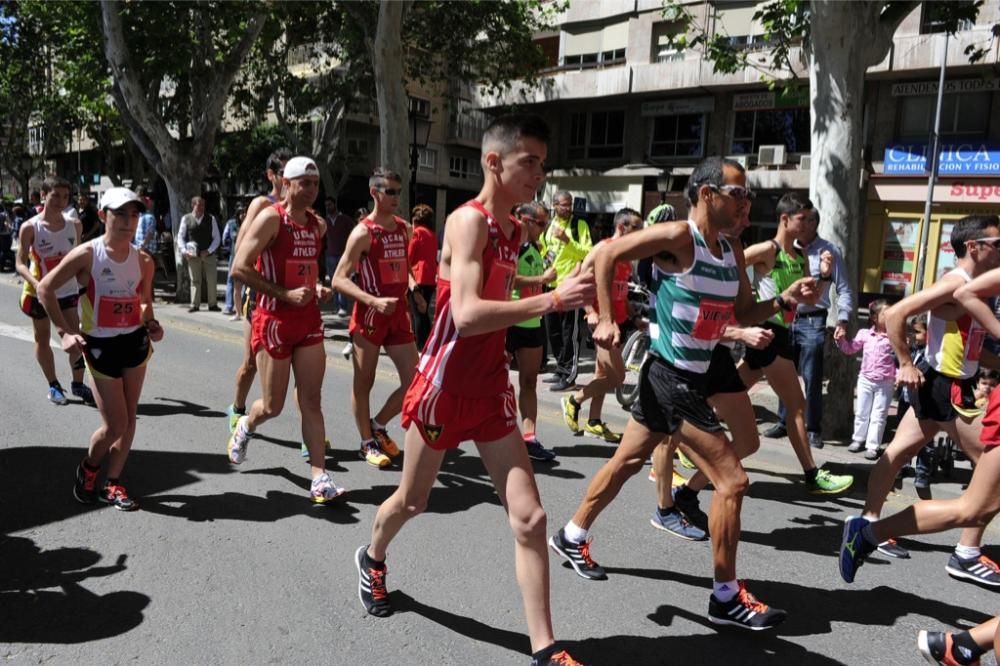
700, 287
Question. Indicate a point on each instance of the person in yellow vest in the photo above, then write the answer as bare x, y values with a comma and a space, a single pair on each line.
564, 245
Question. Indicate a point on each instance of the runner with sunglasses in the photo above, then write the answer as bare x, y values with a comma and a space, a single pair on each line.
376, 250
778, 263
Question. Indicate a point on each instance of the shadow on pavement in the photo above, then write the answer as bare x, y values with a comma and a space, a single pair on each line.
275, 506
42, 599
177, 407
586, 451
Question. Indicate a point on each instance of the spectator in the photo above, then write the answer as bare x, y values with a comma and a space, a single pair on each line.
234, 288
423, 260
87, 212
146, 236
35, 201
230, 231
6, 255
338, 228
198, 240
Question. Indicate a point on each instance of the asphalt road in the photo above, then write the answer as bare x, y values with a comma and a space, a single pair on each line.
227, 565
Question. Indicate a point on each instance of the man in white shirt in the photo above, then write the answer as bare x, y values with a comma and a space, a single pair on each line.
197, 240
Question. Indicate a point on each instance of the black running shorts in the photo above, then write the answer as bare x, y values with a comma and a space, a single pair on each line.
722, 376
941, 398
108, 358
669, 395
31, 306
524, 338
781, 346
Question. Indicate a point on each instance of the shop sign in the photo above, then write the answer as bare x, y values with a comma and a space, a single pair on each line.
912, 88
965, 159
898, 256
759, 101
960, 191
675, 107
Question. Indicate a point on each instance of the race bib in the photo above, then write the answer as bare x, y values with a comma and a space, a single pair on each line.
974, 344
713, 316
392, 271
119, 312
619, 292
52, 261
300, 273
500, 282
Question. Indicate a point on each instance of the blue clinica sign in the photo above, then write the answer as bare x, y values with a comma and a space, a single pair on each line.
955, 159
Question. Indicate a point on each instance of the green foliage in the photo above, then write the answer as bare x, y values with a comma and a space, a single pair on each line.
241, 156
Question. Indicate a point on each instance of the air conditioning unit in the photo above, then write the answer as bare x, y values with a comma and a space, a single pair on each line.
771, 155
805, 163
744, 160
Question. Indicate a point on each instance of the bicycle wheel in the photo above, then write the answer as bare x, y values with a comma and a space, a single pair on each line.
634, 354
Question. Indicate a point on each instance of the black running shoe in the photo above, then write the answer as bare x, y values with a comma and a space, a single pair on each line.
578, 555
940, 648
116, 495
980, 570
744, 611
691, 508
892, 549
371, 585
85, 486
561, 658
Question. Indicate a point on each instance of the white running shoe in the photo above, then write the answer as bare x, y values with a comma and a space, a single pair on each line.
238, 441
348, 350
324, 489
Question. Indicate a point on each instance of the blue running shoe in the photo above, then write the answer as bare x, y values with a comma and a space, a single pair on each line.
57, 396
855, 548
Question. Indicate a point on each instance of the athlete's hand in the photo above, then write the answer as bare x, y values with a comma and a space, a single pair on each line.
756, 337
154, 330
549, 275
300, 296
607, 334
72, 342
385, 306
825, 263
576, 290
593, 319
909, 377
803, 290
324, 294
420, 302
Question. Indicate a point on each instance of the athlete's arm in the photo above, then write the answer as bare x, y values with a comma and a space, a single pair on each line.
74, 266
465, 239
748, 311
760, 254
257, 205
262, 232
752, 336
359, 242
411, 279
25, 239
153, 328
971, 296
940, 293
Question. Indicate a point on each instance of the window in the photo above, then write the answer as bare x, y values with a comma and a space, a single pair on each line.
467, 122
427, 159
420, 107
934, 15
734, 20
464, 167
965, 115
595, 135
664, 34
595, 47
753, 129
678, 136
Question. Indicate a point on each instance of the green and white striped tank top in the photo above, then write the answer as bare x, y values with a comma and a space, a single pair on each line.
691, 309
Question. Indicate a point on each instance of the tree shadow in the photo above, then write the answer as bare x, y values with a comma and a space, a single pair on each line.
178, 407
33, 611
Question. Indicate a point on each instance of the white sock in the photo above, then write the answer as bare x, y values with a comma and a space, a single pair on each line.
725, 590
377, 425
967, 552
574, 533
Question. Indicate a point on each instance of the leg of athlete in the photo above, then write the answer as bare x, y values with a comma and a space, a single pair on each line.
130, 390
73, 319
529, 361
274, 374
736, 410
43, 349
309, 367
507, 462
784, 379
663, 466
910, 437
965, 432
365, 365
112, 407
247, 371
404, 357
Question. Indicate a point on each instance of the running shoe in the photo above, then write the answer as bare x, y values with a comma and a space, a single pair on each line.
83, 392
372, 454
371, 585
348, 350
677, 479
561, 658
116, 495
980, 570
385, 442
578, 555
571, 414
744, 611
234, 417
538, 452
685, 461
85, 486
304, 451
323, 489
239, 441
691, 509
937, 646
675, 523
854, 548
830, 484
602, 431
892, 549
57, 396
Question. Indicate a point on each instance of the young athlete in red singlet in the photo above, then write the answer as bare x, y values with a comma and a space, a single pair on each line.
462, 390
279, 259
376, 249
610, 365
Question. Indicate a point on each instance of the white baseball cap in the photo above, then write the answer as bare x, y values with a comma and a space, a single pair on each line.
117, 197
298, 167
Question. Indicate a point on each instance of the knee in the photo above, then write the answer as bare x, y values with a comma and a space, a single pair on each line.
528, 382
310, 403
113, 431
412, 506
271, 410
974, 515
752, 443
530, 524
734, 485
626, 469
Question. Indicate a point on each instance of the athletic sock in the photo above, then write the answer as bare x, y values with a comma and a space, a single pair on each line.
810, 474
573, 401
377, 426
964, 649
574, 533
88, 466
242, 411
543, 655
725, 590
110, 482
967, 552
665, 512
366, 442
866, 534
685, 493
593, 422
55, 384
528, 437
371, 562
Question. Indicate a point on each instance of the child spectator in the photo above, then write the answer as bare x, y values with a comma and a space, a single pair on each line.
876, 382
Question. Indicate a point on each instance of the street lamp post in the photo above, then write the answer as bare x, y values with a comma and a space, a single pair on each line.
421, 127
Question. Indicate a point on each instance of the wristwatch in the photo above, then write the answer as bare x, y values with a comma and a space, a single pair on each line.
782, 303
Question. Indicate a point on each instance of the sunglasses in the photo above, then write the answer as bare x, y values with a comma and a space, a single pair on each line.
390, 191
533, 220
737, 192
992, 241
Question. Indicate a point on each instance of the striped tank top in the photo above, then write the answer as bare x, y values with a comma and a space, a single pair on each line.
954, 347
691, 309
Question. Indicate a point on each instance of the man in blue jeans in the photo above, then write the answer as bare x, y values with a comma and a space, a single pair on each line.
809, 330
